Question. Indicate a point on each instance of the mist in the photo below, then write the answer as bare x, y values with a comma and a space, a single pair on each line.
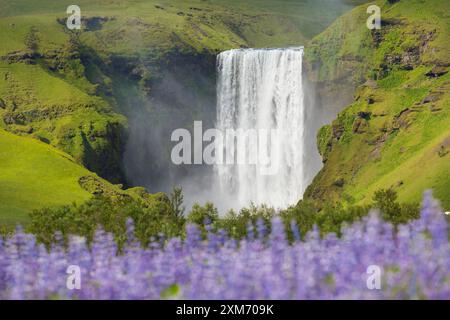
185, 92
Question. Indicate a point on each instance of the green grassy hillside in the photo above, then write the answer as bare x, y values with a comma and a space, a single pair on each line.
202, 24
33, 175
396, 133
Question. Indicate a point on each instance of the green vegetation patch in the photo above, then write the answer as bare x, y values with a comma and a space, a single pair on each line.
33, 175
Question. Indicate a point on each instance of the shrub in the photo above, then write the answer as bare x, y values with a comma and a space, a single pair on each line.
176, 202
151, 220
393, 211
239, 225
158, 216
205, 215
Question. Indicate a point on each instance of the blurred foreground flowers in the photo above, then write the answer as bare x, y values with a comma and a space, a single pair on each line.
414, 262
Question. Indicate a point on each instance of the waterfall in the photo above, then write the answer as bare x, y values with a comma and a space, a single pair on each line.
262, 89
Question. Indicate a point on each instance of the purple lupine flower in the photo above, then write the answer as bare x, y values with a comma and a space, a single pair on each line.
414, 263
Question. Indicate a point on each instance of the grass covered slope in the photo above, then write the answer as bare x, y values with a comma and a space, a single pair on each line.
146, 27
143, 25
396, 133
34, 175
44, 93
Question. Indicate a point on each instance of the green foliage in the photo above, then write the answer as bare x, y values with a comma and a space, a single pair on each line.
158, 217
237, 224
33, 175
385, 200
392, 211
32, 39
304, 214
176, 202
150, 220
171, 292
323, 140
203, 215
6, 231
329, 218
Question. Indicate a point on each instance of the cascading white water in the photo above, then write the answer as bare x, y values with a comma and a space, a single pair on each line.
262, 89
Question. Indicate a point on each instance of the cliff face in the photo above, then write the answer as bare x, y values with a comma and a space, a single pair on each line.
396, 130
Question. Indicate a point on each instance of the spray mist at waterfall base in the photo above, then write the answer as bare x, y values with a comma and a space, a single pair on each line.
261, 89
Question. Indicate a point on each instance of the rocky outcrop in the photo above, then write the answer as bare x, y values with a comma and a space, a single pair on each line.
26, 57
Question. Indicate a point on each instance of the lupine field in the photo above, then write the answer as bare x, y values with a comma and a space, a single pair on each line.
414, 263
